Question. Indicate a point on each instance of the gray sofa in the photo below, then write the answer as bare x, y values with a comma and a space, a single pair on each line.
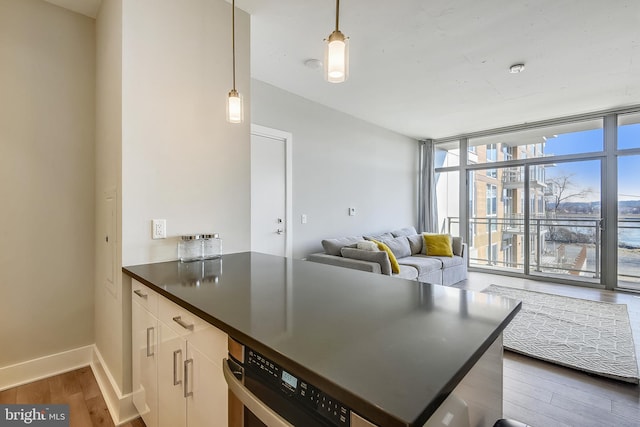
407, 247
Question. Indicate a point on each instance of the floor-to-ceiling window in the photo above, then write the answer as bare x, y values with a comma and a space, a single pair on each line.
447, 187
565, 231
628, 254
495, 222
537, 193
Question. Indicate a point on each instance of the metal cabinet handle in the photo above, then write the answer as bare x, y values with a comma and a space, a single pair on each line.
187, 393
149, 351
140, 294
179, 321
255, 405
176, 381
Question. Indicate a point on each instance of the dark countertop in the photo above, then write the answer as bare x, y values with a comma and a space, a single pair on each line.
391, 349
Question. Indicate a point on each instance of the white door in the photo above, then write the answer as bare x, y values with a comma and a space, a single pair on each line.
270, 231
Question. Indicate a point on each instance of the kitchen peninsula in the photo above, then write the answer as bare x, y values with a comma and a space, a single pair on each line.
391, 350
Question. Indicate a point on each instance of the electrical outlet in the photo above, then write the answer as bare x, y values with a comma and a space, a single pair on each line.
159, 229
303, 218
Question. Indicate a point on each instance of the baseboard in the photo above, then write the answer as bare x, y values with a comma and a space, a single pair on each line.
44, 367
120, 405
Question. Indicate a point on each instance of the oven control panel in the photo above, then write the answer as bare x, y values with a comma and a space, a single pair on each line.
311, 397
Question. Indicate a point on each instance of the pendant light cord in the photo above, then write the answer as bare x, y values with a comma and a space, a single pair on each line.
233, 39
337, 13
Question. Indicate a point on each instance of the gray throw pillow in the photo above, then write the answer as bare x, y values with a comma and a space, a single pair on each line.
399, 246
407, 231
333, 246
380, 237
456, 245
380, 257
415, 242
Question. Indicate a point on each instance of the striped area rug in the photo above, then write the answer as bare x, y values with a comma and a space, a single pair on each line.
590, 336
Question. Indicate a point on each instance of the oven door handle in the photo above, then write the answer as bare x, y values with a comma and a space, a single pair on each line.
255, 405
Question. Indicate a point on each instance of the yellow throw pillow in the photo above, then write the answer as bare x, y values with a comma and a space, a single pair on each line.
438, 244
395, 267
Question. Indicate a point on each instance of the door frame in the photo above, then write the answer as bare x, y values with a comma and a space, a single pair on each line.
287, 137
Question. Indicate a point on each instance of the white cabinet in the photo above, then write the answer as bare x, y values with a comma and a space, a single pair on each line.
191, 390
172, 355
145, 353
207, 406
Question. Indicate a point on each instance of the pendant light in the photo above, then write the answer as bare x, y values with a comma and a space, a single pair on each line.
336, 54
235, 112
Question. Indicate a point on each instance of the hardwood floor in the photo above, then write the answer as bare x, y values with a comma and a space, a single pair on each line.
78, 389
542, 394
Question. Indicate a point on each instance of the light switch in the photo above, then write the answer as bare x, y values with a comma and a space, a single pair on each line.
303, 219
352, 211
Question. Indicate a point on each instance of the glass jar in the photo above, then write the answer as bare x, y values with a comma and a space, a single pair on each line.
190, 248
211, 246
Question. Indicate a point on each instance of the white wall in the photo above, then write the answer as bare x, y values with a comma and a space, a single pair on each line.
47, 80
110, 303
181, 160
340, 161
164, 72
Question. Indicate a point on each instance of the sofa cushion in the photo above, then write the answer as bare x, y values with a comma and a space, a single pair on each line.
448, 262
438, 245
415, 243
333, 246
422, 263
407, 231
407, 272
399, 246
380, 257
379, 237
395, 267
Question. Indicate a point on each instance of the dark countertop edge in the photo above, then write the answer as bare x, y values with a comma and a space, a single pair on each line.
374, 413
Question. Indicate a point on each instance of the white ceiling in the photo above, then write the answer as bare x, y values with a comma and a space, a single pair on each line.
437, 68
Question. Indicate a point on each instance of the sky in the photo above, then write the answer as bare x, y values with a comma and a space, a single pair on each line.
587, 173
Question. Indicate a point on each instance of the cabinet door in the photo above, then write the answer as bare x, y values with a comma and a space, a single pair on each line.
144, 363
207, 391
171, 384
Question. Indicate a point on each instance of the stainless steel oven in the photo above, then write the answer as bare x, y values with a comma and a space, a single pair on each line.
262, 393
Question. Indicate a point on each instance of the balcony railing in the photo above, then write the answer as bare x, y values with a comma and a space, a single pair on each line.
566, 245
629, 249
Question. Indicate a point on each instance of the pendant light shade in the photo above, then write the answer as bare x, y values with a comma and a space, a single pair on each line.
336, 55
235, 111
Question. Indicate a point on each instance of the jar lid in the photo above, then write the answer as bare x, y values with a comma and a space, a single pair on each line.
190, 237
211, 236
